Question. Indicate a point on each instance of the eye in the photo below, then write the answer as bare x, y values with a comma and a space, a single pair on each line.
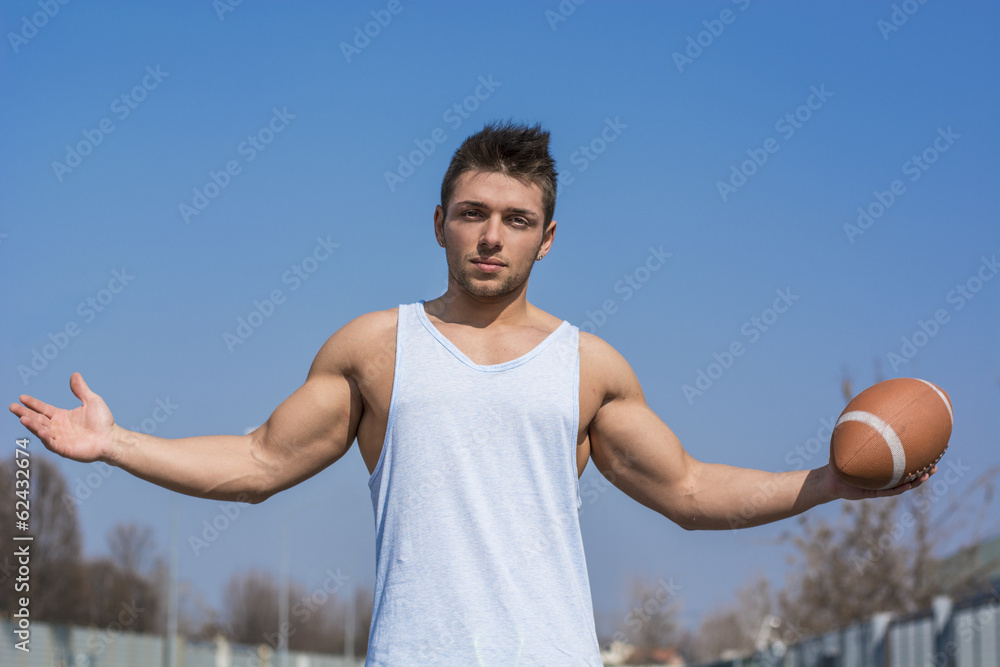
471, 213
520, 222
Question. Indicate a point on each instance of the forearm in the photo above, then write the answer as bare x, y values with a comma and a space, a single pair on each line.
220, 467
722, 497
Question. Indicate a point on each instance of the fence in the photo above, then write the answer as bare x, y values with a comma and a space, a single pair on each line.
960, 634
74, 646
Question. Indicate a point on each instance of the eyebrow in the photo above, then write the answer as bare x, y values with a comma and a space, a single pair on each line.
478, 204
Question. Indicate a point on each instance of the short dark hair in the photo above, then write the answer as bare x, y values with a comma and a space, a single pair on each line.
517, 150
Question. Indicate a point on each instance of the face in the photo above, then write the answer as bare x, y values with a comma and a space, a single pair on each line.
492, 232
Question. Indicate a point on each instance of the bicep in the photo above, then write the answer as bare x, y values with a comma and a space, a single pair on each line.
634, 448
640, 455
316, 425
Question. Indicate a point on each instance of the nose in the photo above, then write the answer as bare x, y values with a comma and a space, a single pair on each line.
491, 236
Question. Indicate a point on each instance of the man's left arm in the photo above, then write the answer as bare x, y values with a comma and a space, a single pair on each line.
640, 455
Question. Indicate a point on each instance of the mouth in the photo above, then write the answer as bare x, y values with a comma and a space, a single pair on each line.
487, 264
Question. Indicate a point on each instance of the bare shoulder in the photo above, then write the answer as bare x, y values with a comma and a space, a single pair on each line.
542, 320
604, 371
364, 339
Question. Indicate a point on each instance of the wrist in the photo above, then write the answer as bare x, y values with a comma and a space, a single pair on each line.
121, 439
831, 487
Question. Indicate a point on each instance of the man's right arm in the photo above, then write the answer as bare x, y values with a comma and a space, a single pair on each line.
311, 429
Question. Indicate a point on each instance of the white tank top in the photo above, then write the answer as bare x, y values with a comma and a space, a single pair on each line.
479, 557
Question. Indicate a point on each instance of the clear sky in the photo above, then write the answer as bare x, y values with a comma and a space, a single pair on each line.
167, 167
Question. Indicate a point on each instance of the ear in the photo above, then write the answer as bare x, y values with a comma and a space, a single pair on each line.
439, 224
547, 238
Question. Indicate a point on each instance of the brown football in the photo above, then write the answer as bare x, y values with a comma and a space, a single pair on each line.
891, 433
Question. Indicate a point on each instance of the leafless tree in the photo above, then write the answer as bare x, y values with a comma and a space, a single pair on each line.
56, 579
317, 617
841, 574
877, 555
735, 627
251, 607
891, 549
719, 631
650, 622
133, 548
125, 589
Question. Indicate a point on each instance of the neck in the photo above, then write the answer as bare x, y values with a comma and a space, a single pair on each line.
458, 306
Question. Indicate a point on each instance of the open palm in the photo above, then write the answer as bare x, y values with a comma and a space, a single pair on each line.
83, 434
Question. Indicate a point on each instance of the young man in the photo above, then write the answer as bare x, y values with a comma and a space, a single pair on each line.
475, 414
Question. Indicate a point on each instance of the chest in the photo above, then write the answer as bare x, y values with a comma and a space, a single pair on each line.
492, 348
496, 402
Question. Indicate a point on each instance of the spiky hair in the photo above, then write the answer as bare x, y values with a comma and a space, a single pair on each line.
517, 150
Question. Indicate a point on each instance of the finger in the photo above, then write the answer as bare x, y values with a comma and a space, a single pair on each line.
33, 422
24, 413
894, 491
80, 388
41, 407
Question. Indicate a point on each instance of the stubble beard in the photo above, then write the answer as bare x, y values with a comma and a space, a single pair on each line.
510, 283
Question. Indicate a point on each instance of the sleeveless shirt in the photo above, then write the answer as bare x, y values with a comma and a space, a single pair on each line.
479, 556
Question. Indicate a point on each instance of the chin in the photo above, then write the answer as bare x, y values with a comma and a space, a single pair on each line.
497, 287
489, 289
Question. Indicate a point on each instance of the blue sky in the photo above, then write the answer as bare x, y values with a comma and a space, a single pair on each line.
740, 137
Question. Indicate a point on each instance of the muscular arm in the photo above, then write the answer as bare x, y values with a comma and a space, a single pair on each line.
638, 453
311, 429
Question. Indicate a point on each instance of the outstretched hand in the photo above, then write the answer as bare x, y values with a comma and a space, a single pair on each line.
842, 489
85, 433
